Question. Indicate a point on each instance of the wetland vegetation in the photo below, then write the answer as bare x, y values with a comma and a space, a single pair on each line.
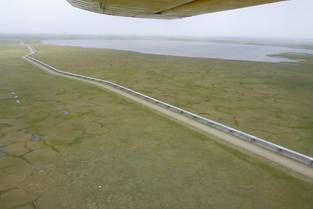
270, 100
71, 145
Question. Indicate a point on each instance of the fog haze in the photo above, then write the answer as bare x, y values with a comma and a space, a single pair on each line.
288, 19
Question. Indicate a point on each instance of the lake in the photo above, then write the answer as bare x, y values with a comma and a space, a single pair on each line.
214, 50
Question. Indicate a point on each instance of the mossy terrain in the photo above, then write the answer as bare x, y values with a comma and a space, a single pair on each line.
71, 145
270, 100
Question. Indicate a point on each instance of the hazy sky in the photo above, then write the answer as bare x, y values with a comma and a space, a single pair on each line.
289, 19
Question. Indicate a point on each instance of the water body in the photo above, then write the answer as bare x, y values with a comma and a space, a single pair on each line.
215, 50
2, 152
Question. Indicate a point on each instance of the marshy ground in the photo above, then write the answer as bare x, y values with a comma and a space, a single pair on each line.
69, 144
270, 100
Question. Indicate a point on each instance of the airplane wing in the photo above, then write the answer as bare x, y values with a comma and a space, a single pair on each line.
162, 9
